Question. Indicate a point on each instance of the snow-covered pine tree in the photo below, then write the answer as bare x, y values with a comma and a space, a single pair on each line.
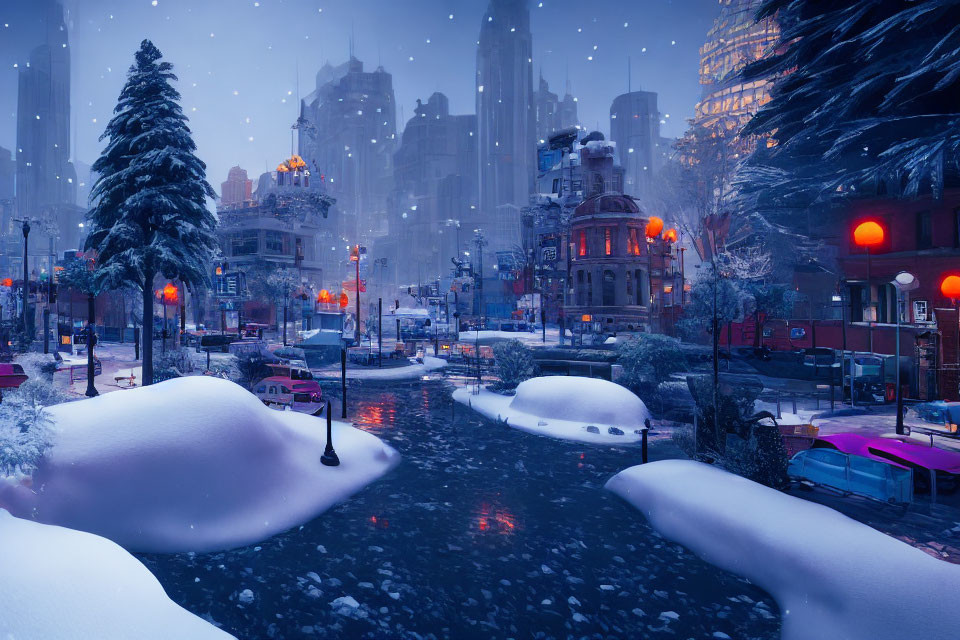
865, 91
150, 216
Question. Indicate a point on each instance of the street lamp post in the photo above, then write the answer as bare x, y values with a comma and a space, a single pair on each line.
26, 281
357, 328
91, 336
869, 234
903, 282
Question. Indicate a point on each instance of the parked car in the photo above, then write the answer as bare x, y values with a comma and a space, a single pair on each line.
853, 474
903, 453
279, 392
291, 370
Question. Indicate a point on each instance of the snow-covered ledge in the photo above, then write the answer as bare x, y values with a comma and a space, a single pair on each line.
410, 371
190, 464
567, 407
832, 577
57, 583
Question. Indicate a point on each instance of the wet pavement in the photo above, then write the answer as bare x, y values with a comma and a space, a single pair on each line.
482, 531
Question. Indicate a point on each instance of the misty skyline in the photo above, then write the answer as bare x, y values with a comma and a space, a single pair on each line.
238, 62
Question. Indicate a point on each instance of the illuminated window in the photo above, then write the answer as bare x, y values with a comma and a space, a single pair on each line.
607, 242
583, 243
633, 243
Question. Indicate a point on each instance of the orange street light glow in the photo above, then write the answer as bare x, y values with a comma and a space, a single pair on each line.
868, 234
654, 227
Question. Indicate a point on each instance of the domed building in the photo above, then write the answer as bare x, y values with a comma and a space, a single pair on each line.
609, 277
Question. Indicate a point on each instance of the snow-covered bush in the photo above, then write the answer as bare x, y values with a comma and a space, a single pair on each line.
225, 368
251, 368
739, 443
761, 457
649, 361
25, 433
37, 365
173, 364
514, 363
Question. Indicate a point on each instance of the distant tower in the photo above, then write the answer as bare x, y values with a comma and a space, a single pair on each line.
506, 120
635, 128
45, 175
237, 190
553, 114
348, 135
46, 179
734, 41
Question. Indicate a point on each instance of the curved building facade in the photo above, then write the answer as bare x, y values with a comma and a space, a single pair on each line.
610, 280
734, 41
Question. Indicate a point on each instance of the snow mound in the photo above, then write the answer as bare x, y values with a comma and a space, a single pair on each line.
832, 576
56, 583
191, 464
579, 399
567, 407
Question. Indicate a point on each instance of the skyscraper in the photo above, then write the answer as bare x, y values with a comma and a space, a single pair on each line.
348, 131
46, 180
552, 113
8, 169
635, 128
734, 41
435, 172
505, 120
237, 189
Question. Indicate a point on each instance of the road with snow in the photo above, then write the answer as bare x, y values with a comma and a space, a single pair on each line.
482, 531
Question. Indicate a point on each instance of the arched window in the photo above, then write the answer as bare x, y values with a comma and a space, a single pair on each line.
633, 242
581, 290
609, 288
589, 288
629, 287
638, 275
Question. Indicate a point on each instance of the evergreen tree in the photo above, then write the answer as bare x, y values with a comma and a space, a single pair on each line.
150, 216
865, 92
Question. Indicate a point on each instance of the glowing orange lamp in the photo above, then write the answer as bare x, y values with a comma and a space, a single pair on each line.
869, 234
324, 297
344, 300
670, 235
7, 282
950, 287
169, 294
654, 227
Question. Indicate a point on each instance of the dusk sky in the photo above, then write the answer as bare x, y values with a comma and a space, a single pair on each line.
237, 59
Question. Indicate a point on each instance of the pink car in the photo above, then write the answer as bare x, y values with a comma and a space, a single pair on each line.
903, 453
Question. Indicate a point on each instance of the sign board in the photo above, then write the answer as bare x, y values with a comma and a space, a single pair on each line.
507, 265
232, 284
548, 158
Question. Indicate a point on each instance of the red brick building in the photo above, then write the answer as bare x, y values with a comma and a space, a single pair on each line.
920, 236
